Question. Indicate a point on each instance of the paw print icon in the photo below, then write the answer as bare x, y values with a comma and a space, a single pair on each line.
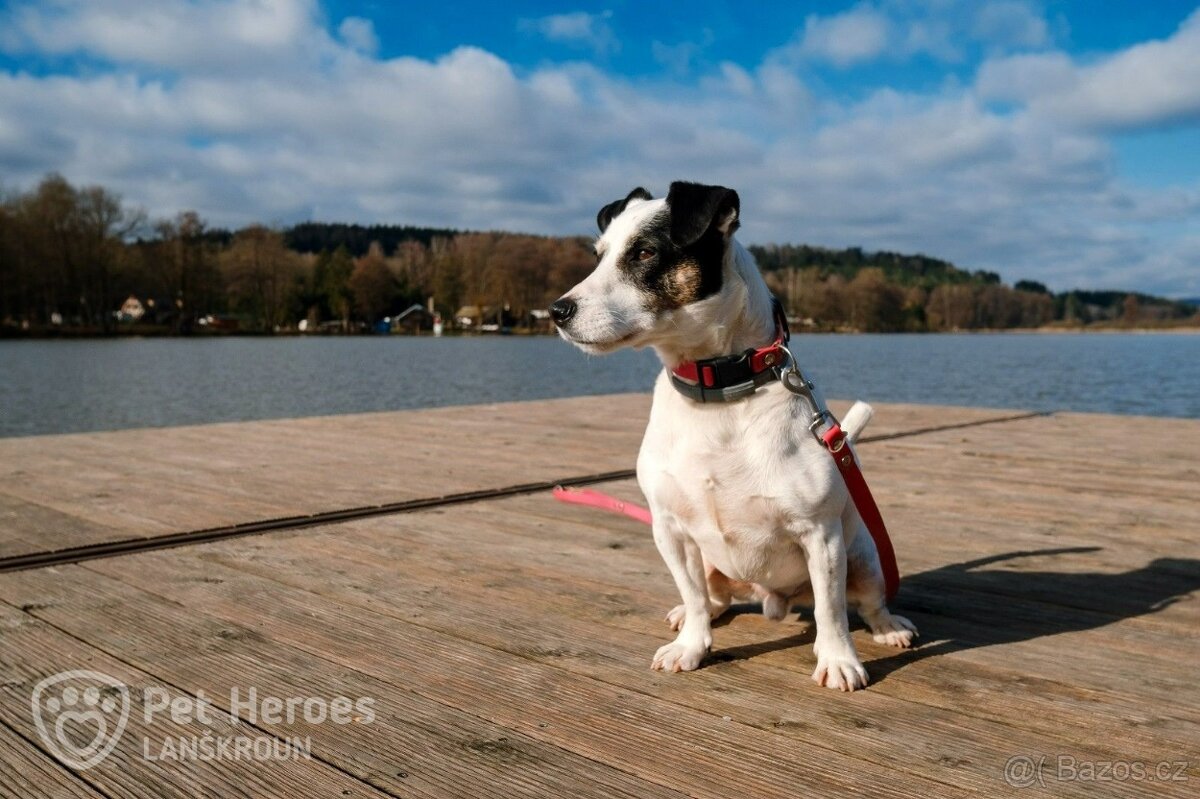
80, 715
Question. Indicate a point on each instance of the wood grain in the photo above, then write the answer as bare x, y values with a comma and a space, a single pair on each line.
58, 492
1053, 569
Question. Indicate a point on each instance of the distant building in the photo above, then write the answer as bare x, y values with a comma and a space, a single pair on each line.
469, 316
540, 321
412, 319
131, 310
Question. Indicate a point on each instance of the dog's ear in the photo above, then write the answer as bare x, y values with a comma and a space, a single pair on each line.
696, 208
614, 209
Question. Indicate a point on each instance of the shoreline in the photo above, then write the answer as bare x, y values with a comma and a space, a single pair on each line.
84, 335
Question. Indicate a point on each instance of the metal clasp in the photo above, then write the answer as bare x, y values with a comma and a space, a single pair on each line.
795, 381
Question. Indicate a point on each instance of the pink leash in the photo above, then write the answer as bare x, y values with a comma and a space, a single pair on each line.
594, 499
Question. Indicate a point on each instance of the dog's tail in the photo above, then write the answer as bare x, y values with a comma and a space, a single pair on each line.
856, 420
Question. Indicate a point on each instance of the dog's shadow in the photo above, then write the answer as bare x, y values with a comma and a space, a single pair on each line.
962, 606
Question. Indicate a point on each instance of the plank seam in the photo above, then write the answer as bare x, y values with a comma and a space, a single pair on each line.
129, 546
107, 549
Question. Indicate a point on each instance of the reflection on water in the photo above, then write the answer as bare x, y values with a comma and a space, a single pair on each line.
71, 386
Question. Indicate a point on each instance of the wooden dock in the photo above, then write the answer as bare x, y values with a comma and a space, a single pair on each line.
1052, 563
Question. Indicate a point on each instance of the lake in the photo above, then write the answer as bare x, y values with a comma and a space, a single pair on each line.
106, 384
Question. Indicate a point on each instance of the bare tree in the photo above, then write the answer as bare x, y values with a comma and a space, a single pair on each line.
262, 275
103, 225
188, 269
336, 285
875, 304
372, 284
951, 307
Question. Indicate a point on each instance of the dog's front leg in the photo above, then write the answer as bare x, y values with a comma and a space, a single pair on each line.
838, 665
683, 558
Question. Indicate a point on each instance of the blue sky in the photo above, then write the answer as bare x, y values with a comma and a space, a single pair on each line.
1056, 141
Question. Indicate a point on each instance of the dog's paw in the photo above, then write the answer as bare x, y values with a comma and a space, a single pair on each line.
894, 631
844, 673
677, 656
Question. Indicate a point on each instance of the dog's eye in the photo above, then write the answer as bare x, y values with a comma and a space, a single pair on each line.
644, 254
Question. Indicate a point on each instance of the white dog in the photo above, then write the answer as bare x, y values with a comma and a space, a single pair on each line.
745, 501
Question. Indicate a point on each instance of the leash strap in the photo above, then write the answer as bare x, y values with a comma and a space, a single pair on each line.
824, 426
835, 441
594, 499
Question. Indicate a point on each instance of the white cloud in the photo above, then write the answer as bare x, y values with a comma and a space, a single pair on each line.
577, 28
467, 141
679, 57
1152, 84
1010, 23
896, 30
852, 37
359, 34
221, 36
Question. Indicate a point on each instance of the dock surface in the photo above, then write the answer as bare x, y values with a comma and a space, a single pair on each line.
417, 559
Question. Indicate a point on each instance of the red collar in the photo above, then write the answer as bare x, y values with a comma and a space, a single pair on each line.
731, 377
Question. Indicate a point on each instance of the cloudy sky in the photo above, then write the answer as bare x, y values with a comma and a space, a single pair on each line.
1057, 140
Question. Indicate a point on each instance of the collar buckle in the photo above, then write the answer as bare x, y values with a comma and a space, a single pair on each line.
733, 377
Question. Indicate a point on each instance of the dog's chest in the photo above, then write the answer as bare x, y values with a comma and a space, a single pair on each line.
739, 484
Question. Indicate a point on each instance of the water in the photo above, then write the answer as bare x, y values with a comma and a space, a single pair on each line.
75, 386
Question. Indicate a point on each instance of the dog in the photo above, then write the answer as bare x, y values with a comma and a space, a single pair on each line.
746, 503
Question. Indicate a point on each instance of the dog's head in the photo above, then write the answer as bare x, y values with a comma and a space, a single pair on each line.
653, 257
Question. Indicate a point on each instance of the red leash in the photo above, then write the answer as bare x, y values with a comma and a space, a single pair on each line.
835, 441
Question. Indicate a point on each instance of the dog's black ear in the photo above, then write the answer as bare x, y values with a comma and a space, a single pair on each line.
614, 209
696, 208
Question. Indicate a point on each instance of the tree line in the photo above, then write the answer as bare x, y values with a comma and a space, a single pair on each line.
71, 256
889, 292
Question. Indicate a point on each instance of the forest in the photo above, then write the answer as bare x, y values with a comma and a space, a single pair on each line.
77, 260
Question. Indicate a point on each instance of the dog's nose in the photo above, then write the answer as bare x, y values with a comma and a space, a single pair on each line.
562, 310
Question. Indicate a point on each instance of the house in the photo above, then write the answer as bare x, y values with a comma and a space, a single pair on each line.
469, 316
540, 321
131, 310
412, 319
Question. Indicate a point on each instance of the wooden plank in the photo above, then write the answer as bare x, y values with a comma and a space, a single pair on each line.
672, 746
393, 567
1153, 607
485, 622
94, 487
546, 622
26, 772
1146, 579
146, 482
412, 747
27, 526
33, 650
